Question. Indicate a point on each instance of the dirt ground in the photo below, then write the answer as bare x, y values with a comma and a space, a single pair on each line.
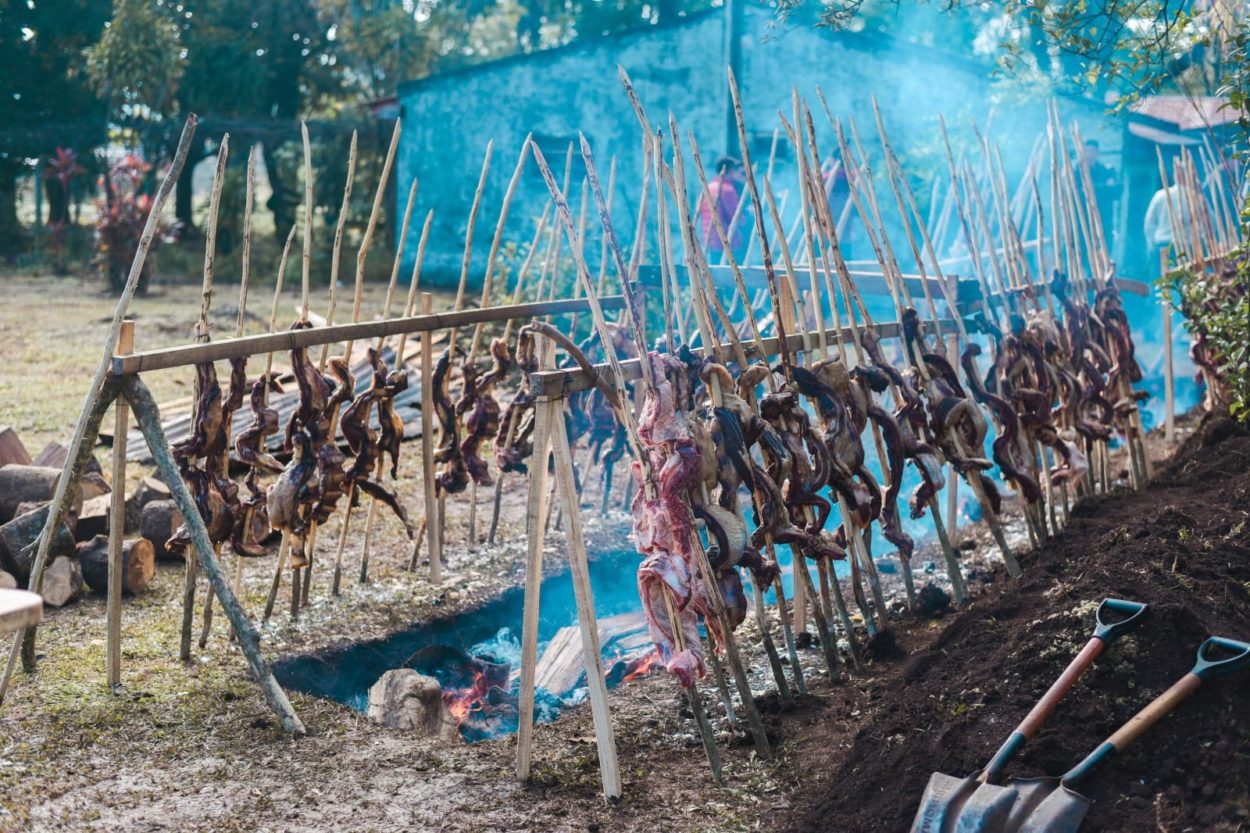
194, 747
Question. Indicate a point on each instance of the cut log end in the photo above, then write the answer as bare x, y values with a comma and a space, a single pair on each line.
62, 581
138, 564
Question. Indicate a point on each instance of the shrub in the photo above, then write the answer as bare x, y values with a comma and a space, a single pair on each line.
1216, 306
122, 213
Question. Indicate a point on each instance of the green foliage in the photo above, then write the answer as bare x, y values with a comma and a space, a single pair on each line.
1216, 306
136, 65
122, 214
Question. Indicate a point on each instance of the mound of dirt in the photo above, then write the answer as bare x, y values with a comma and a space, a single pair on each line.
1183, 546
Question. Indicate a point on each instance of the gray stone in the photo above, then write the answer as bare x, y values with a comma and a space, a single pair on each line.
404, 699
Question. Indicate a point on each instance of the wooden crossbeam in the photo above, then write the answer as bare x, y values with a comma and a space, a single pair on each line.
557, 383
755, 278
192, 354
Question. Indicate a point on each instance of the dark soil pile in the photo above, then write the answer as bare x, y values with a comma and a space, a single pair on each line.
1183, 546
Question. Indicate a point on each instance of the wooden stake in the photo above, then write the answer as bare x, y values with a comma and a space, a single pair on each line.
338, 244
579, 566
117, 521
308, 219
535, 523
428, 487
1168, 378
362, 254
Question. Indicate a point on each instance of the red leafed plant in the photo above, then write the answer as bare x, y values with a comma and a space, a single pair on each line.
121, 216
63, 168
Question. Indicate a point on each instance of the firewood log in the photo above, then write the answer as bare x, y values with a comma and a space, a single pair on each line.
12, 451
138, 564
7, 582
17, 534
62, 581
92, 484
148, 490
159, 520
71, 518
20, 484
93, 518
54, 455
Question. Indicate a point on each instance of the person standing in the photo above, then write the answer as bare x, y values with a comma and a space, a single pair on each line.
726, 194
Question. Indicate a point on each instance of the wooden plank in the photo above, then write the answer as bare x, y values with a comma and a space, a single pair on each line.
193, 354
563, 663
564, 382
19, 609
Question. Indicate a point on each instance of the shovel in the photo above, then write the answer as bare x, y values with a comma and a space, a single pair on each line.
976, 803
1051, 805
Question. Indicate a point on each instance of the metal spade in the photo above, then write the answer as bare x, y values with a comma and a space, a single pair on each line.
975, 803
1052, 805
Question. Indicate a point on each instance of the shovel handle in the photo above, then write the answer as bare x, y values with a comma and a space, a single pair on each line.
1165, 703
1104, 633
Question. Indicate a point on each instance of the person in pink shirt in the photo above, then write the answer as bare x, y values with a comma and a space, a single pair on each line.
726, 191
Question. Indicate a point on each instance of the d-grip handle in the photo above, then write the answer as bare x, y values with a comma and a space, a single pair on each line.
1104, 633
1162, 705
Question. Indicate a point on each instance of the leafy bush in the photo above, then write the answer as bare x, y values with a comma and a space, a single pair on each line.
122, 214
1216, 306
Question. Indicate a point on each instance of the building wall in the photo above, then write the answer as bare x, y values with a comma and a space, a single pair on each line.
449, 119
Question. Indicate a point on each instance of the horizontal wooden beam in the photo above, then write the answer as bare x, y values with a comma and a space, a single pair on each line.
192, 354
557, 383
868, 283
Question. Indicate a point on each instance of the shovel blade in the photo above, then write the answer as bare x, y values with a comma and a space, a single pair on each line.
943, 797
986, 810
1030, 794
1060, 812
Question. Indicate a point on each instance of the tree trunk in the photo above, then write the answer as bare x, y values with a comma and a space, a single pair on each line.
182, 199
280, 204
138, 564
10, 231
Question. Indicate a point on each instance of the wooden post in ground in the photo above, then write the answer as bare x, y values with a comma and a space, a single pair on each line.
578, 564
535, 522
117, 521
1169, 390
149, 418
434, 540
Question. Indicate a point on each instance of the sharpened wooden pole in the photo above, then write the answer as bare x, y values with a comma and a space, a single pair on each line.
1169, 382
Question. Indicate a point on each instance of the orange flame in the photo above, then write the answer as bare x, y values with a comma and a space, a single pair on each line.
461, 702
643, 666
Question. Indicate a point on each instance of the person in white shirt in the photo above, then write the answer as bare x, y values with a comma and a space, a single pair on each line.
1158, 224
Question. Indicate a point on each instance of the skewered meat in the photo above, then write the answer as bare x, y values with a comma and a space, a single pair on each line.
1006, 446
250, 444
289, 497
216, 499
482, 409
453, 476
207, 422
312, 414
513, 444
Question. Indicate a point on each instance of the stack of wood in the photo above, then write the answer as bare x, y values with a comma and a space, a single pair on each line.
79, 551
